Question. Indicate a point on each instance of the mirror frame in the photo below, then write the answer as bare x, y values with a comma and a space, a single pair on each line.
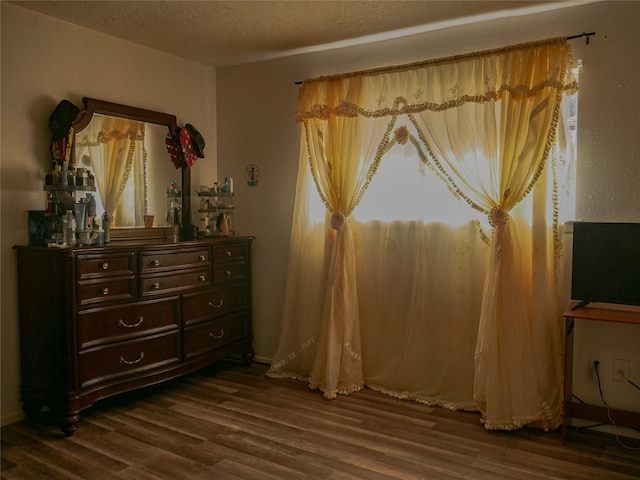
93, 105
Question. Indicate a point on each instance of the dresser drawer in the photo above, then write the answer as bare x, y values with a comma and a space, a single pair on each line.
162, 260
122, 359
229, 252
110, 324
198, 307
229, 273
170, 282
106, 290
207, 337
105, 265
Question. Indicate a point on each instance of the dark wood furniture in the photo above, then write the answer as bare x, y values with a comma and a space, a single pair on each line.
98, 321
600, 313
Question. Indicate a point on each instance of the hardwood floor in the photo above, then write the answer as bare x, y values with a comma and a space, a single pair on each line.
230, 422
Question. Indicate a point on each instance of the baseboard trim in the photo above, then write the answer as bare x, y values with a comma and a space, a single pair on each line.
262, 360
12, 418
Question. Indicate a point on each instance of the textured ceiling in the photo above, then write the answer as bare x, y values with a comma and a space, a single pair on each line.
222, 33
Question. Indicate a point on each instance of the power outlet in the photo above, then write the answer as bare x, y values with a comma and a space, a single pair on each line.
620, 370
592, 371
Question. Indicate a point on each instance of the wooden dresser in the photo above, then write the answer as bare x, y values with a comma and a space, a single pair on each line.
98, 321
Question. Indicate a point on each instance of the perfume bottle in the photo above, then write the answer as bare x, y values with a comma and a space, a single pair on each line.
69, 228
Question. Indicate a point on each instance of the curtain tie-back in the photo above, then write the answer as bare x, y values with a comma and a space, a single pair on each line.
498, 216
337, 220
401, 135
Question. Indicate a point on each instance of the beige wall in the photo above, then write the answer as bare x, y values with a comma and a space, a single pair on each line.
43, 61
257, 101
255, 106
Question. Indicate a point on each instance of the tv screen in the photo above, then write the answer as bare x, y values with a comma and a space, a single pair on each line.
606, 263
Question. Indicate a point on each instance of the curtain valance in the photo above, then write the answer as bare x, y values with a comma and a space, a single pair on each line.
440, 84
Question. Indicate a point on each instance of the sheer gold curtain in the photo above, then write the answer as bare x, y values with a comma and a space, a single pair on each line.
341, 152
492, 151
487, 121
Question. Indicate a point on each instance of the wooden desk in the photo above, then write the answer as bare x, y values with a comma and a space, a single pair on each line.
601, 313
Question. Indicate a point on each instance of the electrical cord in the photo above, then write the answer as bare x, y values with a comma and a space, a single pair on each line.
573, 395
596, 365
638, 387
585, 427
629, 380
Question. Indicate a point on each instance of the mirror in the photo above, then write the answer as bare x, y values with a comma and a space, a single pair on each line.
125, 148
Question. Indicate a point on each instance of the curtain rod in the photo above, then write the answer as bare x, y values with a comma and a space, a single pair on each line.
580, 35
571, 37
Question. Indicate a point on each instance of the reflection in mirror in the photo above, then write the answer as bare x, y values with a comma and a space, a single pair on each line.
132, 169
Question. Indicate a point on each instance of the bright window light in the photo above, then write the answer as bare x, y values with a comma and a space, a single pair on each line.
405, 189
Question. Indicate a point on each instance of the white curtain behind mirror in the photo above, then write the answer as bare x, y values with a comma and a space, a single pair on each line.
115, 149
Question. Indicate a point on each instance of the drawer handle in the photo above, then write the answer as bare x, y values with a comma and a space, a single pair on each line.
130, 325
202, 258
156, 263
105, 266
105, 291
132, 362
227, 273
216, 306
217, 337
228, 253
155, 285
202, 278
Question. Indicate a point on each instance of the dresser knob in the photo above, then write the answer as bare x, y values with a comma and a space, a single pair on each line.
216, 306
202, 278
105, 266
156, 263
228, 253
130, 325
155, 285
227, 273
132, 362
217, 337
105, 291
202, 258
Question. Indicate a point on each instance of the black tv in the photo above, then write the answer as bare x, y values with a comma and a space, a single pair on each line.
606, 263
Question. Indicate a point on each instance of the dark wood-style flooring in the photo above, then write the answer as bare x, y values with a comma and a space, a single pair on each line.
230, 422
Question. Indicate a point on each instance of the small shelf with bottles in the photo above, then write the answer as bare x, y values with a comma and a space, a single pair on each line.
62, 185
60, 198
69, 190
68, 198
216, 213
